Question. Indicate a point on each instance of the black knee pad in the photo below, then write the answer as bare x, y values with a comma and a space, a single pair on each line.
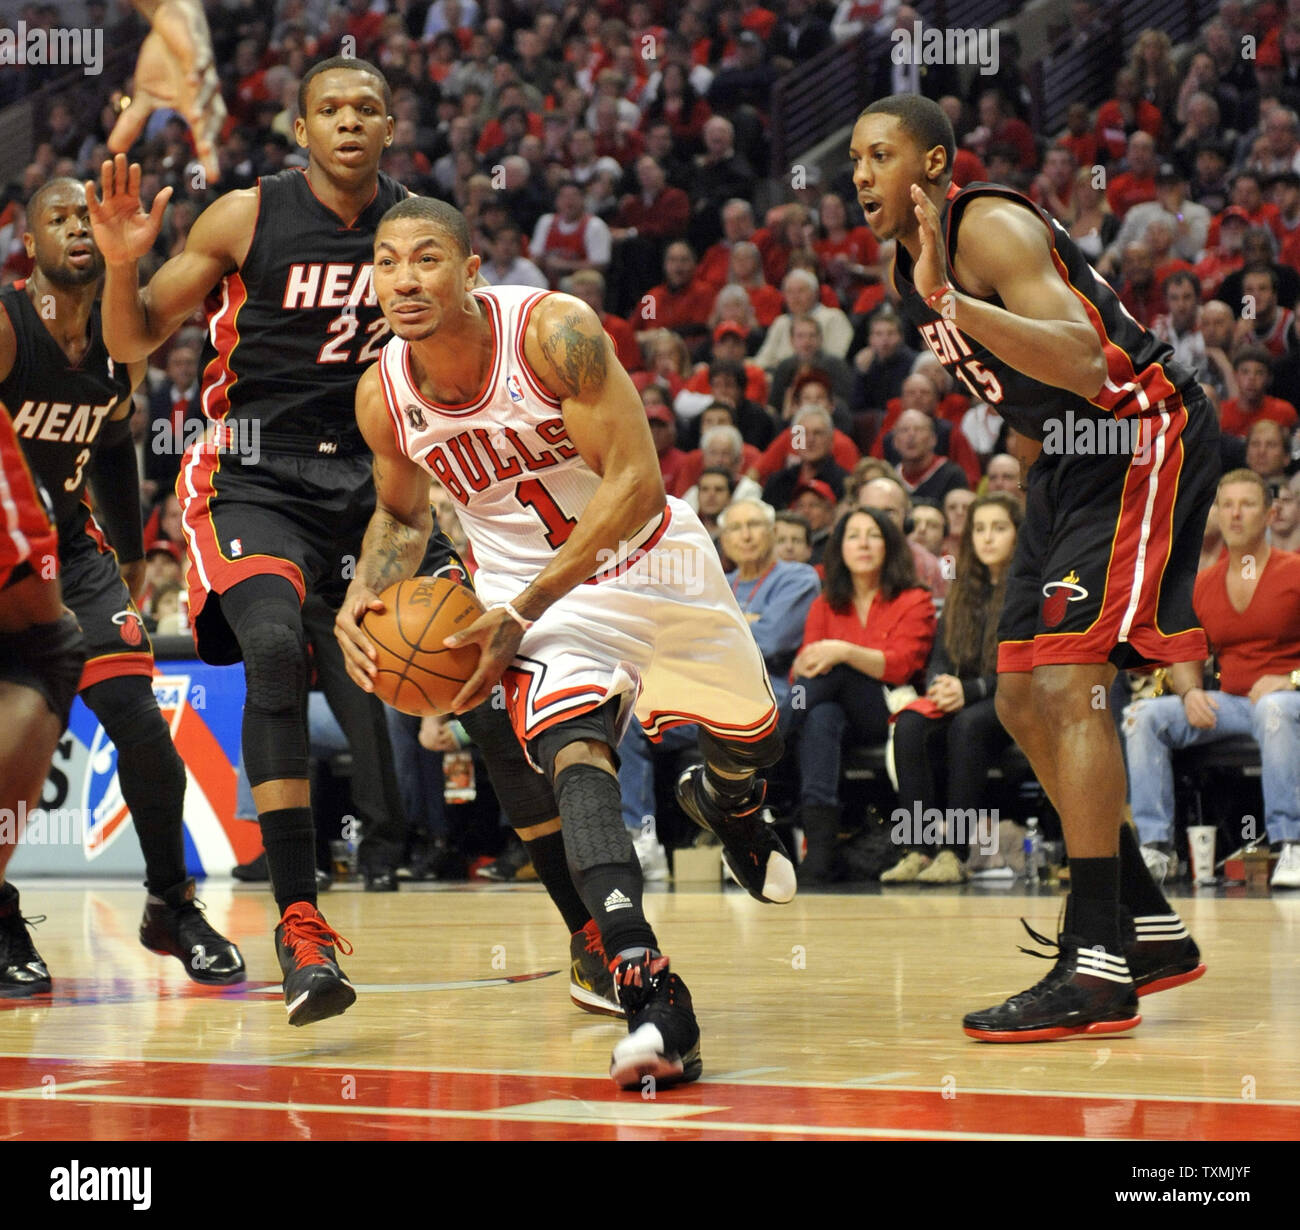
47, 658
127, 710
524, 794
275, 672
590, 807
733, 756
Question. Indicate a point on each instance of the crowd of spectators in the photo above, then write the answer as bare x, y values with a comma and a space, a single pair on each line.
619, 152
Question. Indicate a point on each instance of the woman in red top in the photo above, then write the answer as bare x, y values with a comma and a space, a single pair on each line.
870, 630
846, 254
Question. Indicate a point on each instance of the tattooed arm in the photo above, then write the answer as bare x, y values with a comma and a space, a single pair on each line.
396, 537
606, 422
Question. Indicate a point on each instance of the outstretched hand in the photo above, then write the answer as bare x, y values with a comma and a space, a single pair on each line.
931, 269
175, 69
123, 231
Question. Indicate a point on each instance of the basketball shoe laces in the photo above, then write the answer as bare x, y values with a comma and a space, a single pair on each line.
595, 945
21, 948
306, 934
1062, 949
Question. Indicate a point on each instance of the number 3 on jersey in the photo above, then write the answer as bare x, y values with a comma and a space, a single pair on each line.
345, 325
558, 526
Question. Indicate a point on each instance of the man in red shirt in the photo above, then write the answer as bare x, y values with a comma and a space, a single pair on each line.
999, 127
1139, 292
1121, 115
737, 227
1138, 183
569, 239
1253, 367
680, 302
1248, 196
657, 213
1249, 603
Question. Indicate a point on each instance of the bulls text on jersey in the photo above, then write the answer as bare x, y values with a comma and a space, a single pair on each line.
474, 458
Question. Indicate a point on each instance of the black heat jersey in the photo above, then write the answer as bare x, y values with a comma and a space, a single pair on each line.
298, 322
1140, 369
58, 409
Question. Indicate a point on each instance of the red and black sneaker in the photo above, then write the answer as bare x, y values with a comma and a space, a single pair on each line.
750, 846
1160, 953
314, 986
1089, 991
591, 986
663, 1039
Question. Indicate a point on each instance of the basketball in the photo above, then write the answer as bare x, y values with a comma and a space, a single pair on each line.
417, 674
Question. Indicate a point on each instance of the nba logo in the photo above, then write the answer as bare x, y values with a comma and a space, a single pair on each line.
516, 389
236, 547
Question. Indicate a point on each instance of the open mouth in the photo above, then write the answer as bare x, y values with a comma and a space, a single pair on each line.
350, 149
870, 208
81, 254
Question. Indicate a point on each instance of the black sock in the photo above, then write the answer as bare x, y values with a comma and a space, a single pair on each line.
727, 792
152, 777
552, 869
1139, 893
602, 862
1093, 910
289, 836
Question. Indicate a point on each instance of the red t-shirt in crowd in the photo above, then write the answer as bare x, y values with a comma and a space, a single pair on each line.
1234, 421
903, 630
1127, 190
967, 168
1110, 130
844, 453
755, 382
691, 469
1264, 639
625, 347
675, 309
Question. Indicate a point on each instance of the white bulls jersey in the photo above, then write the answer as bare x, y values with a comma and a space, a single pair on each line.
504, 457
655, 627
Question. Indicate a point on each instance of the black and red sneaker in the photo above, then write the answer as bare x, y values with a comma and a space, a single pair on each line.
591, 986
1160, 953
314, 986
22, 970
750, 846
1089, 991
663, 1039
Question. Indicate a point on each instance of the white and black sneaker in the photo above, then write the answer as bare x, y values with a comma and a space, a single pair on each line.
22, 971
663, 1040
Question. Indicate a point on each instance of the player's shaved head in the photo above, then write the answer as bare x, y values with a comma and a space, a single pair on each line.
922, 119
347, 64
63, 183
446, 218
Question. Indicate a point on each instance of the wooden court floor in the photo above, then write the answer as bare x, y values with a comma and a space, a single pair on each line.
834, 1017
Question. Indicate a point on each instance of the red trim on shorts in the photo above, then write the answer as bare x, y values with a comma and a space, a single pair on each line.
210, 569
534, 381
115, 666
517, 706
1129, 548
1015, 657
664, 719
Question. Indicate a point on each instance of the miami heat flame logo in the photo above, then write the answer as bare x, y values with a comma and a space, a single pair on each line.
128, 623
1057, 594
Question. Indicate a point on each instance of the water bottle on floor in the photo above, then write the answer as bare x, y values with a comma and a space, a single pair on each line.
1033, 850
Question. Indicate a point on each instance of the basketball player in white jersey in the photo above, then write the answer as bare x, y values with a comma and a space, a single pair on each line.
606, 598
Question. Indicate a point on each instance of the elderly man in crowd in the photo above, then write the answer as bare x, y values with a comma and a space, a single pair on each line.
774, 596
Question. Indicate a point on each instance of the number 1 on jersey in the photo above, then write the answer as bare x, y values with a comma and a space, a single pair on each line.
558, 526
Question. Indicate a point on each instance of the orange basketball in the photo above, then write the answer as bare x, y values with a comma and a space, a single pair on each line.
416, 672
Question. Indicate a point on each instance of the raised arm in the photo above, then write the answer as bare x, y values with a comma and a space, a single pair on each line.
396, 537
138, 320
1044, 330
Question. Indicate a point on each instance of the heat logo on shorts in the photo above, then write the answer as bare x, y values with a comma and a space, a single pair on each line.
128, 623
1057, 594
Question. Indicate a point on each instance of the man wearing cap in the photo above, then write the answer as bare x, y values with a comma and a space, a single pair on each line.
1171, 198
663, 431
814, 501
811, 436
729, 340
1225, 258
